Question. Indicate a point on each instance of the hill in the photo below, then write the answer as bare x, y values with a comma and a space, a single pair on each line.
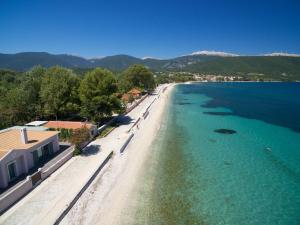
273, 67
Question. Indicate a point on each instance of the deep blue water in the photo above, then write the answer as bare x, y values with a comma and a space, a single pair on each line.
276, 103
248, 177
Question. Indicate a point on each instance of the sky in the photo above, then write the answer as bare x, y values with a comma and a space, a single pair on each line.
156, 28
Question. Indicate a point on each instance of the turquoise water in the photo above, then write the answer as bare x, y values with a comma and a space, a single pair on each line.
203, 177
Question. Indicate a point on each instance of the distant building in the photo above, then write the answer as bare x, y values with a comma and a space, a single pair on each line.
71, 125
22, 149
36, 123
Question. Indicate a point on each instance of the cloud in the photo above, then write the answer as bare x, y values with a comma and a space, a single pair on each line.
214, 53
149, 57
282, 54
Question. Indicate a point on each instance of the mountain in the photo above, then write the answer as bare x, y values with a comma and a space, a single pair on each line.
116, 62
26, 60
276, 65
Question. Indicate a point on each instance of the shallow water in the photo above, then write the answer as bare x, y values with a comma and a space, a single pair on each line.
198, 176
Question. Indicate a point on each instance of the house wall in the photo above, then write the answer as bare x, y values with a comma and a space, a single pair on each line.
3, 181
55, 143
23, 160
16, 156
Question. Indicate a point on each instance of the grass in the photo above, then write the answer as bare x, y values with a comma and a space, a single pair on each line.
107, 130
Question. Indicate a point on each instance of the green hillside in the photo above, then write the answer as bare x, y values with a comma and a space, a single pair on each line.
265, 67
281, 67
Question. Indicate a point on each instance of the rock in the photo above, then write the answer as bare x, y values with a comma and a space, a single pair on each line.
225, 131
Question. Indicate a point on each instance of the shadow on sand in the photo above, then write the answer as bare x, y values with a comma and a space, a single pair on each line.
124, 120
91, 150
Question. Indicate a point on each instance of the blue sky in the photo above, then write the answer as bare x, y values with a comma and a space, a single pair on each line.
162, 29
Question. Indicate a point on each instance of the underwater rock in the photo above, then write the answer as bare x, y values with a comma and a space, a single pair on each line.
227, 163
219, 113
225, 131
184, 103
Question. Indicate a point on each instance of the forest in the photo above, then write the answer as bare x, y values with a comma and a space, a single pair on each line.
64, 94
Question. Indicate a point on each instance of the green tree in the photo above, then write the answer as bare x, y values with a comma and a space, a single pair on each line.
137, 76
59, 92
15, 107
98, 94
32, 84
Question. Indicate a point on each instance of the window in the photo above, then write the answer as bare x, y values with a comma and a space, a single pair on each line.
35, 157
12, 171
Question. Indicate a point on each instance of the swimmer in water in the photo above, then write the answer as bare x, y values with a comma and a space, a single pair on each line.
268, 149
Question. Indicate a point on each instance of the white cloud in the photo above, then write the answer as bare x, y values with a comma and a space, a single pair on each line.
149, 57
96, 57
214, 53
282, 54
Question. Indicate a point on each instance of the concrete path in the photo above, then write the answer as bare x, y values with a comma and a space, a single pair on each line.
47, 201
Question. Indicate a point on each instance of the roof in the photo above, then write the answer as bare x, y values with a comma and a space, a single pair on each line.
134, 91
3, 153
125, 97
67, 125
36, 123
11, 139
27, 127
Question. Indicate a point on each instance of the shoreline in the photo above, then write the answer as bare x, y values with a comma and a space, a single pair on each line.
107, 199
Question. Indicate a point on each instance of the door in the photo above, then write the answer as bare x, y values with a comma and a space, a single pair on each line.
12, 171
50, 146
45, 151
35, 157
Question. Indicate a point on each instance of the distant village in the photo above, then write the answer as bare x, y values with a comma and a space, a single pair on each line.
214, 77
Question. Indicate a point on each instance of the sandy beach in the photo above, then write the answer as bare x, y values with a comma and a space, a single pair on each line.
106, 200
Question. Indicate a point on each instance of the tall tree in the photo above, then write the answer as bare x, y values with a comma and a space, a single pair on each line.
14, 99
32, 84
137, 76
59, 92
15, 107
97, 94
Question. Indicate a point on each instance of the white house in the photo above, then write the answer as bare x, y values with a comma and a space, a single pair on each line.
22, 149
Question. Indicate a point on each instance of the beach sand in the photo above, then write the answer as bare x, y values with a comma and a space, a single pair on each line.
110, 197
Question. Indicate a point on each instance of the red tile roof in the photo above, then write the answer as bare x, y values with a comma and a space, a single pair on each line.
67, 125
135, 91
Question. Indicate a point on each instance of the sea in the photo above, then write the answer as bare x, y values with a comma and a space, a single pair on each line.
226, 153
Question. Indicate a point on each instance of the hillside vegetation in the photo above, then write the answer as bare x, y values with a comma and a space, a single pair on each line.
268, 67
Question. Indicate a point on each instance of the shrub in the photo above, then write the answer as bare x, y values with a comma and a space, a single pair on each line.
78, 137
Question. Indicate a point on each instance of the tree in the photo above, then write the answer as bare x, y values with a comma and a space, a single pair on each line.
137, 76
32, 84
15, 107
98, 94
79, 136
59, 92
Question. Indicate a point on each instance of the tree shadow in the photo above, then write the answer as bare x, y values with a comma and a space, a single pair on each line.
124, 120
91, 150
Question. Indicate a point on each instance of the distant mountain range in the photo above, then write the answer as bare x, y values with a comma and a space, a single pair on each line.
278, 65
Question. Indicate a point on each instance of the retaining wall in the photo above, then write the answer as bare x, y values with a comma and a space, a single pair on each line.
136, 104
82, 190
15, 194
58, 164
107, 124
126, 143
